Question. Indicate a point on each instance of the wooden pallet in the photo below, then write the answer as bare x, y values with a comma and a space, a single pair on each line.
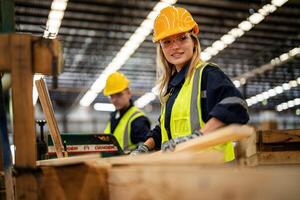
271, 147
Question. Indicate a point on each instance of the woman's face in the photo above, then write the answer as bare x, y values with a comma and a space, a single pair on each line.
178, 49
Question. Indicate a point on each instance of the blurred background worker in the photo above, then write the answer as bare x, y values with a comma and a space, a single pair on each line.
197, 97
128, 124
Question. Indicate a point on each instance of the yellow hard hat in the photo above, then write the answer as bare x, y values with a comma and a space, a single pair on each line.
115, 83
173, 20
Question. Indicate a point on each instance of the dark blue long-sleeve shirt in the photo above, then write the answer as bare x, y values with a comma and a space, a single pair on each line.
139, 127
215, 87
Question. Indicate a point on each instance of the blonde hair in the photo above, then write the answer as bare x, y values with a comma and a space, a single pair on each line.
165, 69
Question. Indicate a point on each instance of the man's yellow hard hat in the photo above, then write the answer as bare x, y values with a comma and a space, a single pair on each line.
115, 83
171, 21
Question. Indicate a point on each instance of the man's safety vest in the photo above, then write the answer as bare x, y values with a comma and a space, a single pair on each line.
186, 115
123, 130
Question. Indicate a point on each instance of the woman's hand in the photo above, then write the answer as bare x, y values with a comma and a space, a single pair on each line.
171, 144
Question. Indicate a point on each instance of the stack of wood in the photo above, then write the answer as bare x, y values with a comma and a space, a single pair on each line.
185, 174
271, 147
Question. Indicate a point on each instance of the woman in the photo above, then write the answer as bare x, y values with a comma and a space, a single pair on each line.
196, 97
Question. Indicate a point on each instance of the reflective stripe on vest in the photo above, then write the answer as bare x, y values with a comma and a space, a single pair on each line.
123, 130
186, 116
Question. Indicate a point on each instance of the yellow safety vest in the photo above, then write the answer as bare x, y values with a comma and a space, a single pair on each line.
123, 130
186, 115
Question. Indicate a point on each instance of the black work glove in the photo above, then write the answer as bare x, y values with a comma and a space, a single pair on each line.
171, 144
141, 149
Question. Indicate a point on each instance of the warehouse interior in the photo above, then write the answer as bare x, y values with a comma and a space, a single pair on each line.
93, 32
255, 42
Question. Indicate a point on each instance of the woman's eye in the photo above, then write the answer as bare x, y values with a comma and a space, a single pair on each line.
166, 42
182, 38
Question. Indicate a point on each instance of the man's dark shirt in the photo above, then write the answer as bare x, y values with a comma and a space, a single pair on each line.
139, 127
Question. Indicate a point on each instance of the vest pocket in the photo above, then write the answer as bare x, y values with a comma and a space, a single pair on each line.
180, 127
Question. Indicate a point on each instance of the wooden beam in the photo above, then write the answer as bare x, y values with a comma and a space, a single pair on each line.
277, 136
229, 133
50, 117
23, 114
46, 54
278, 158
200, 182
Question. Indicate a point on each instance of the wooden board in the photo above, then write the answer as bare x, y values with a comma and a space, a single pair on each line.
280, 136
278, 158
229, 133
45, 53
50, 118
196, 182
23, 114
76, 182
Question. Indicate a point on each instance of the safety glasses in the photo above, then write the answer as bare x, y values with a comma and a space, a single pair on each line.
179, 40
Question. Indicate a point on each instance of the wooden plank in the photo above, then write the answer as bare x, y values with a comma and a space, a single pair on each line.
47, 54
68, 160
50, 118
246, 147
199, 182
5, 65
278, 158
78, 182
23, 114
192, 158
280, 136
229, 133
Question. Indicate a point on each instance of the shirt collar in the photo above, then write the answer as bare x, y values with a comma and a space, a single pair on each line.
178, 77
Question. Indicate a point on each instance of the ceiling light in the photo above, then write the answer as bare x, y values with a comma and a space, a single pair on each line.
278, 89
298, 80
287, 105
284, 106
228, 39
106, 107
88, 98
236, 32
249, 103
286, 86
245, 25
275, 61
256, 18
294, 51
293, 83
56, 14
260, 97
284, 57
298, 111
278, 3
279, 108
219, 45
297, 101
266, 95
212, 51
291, 104
271, 92
205, 56
237, 83
254, 99
59, 5
269, 8
145, 99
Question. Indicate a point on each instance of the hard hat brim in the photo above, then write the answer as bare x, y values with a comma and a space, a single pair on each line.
111, 92
175, 32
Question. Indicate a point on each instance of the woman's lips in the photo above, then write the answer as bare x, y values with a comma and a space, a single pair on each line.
177, 54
